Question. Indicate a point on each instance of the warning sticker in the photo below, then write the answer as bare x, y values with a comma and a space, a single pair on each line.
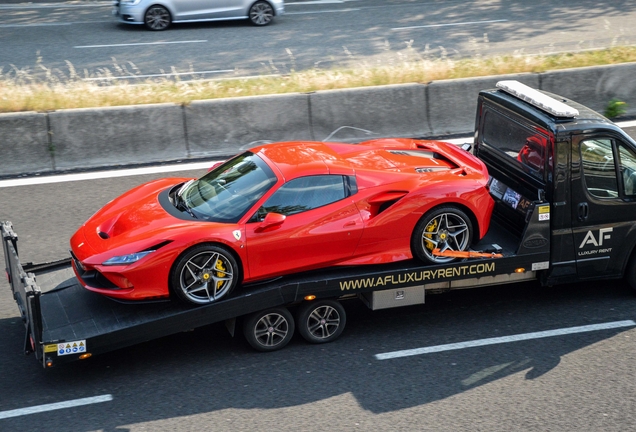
74, 347
544, 213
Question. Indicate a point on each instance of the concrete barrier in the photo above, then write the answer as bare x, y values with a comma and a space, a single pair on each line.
117, 135
90, 138
227, 126
594, 86
24, 143
395, 110
453, 103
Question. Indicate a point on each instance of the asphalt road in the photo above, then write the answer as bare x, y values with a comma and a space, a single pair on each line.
69, 39
207, 380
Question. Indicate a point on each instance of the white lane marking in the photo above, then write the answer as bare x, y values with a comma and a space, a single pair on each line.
315, 2
57, 5
244, 77
51, 24
322, 11
159, 75
627, 124
450, 24
55, 406
139, 43
504, 339
105, 174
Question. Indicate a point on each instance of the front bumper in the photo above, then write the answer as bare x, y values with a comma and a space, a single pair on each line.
129, 14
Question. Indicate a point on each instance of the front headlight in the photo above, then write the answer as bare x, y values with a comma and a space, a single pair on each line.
126, 259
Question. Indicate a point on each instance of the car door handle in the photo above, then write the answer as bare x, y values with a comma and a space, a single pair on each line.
583, 210
349, 224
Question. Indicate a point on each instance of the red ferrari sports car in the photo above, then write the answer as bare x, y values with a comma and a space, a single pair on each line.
284, 208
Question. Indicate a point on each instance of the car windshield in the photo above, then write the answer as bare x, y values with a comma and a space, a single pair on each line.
227, 192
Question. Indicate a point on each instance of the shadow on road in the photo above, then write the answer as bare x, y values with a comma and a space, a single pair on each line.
206, 370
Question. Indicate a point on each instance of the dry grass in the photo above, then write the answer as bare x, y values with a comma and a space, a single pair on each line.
20, 91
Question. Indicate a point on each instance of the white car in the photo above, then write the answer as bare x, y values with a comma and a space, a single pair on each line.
160, 14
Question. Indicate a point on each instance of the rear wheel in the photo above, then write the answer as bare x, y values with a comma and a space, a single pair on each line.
261, 13
157, 18
321, 321
445, 228
269, 330
204, 274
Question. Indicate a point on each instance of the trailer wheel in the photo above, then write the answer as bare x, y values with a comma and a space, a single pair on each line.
269, 330
446, 228
321, 321
204, 274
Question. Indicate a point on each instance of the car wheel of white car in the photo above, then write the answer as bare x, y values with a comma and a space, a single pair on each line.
157, 18
261, 13
204, 274
269, 330
444, 228
321, 321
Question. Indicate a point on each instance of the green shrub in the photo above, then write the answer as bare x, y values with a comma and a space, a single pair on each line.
615, 108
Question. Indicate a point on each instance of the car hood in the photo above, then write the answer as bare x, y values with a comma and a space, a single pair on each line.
130, 223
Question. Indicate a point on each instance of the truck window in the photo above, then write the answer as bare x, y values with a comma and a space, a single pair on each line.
628, 169
599, 158
515, 140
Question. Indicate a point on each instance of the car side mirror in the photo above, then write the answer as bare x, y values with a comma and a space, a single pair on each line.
271, 220
216, 164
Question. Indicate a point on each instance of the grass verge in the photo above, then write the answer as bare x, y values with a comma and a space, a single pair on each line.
20, 91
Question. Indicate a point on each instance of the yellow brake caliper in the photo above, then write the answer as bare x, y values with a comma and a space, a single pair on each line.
431, 227
220, 273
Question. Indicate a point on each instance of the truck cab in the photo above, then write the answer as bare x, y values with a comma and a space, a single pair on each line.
545, 147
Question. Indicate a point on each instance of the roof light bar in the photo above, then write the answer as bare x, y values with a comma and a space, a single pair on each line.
538, 99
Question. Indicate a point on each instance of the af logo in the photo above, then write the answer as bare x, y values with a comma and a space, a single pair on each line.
603, 234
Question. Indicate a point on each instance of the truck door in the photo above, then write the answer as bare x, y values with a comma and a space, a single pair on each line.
603, 203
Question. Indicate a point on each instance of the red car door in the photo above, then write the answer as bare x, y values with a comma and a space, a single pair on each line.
321, 225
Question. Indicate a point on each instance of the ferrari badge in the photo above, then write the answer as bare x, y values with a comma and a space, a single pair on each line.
237, 234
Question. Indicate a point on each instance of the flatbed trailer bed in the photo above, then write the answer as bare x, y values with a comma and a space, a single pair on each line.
64, 322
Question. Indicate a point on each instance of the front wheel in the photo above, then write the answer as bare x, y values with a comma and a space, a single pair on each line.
269, 330
445, 228
204, 274
157, 18
321, 321
261, 13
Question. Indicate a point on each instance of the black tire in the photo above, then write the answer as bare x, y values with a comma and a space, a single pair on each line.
195, 270
261, 13
157, 18
321, 321
269, 330
446, 228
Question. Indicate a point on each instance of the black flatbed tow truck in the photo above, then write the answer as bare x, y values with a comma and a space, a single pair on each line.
556, 219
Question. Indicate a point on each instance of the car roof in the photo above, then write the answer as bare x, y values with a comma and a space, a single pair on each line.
300, 158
